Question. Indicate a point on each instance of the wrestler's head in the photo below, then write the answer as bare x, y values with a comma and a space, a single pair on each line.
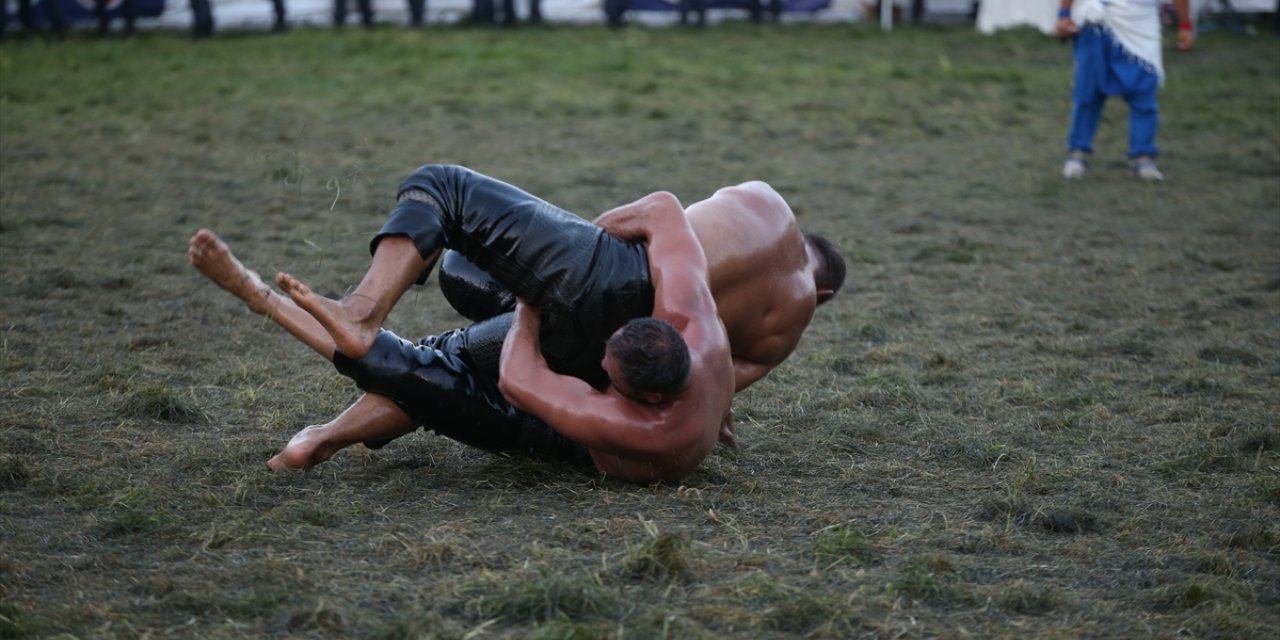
829, 276
647, 360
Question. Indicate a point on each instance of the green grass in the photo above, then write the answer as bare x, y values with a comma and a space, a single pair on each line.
1043, 409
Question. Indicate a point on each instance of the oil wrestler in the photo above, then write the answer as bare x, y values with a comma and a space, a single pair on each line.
766, 279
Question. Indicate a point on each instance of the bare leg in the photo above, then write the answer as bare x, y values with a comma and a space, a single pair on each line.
353, 321
213, 258
371, 418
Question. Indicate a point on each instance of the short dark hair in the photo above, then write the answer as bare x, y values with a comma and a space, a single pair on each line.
830, 274
652, 355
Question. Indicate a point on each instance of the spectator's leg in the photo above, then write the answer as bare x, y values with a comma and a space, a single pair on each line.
1144, 119
26, 15
339, 12
509, 12
615, 13
201, 18
417, 11
535, 11
277, 8
57, 23
366, 12
100, 14
482, 12
130, 16
1087, 96
1085, 116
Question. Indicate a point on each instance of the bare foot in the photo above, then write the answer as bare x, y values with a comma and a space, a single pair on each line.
351, 321
212, 257
306, 449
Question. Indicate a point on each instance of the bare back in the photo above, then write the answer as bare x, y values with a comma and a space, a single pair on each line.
761, 274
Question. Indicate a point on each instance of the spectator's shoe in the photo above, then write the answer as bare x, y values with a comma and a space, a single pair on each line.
1075, 165
1145, 167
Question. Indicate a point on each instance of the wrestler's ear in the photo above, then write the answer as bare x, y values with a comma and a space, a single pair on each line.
653, 397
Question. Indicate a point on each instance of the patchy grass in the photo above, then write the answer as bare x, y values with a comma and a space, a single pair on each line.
1043, 408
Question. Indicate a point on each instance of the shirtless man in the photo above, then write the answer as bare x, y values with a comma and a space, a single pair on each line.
766, 280
766, 276
636, 434
670, 375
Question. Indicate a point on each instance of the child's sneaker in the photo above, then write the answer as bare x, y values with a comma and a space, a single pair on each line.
1074, 167
1145, 167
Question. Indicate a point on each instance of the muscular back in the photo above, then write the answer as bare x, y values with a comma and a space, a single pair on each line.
760, 272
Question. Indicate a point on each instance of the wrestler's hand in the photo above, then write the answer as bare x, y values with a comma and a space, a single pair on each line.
728, 436
639, 221
1186, 38
526, 317
1067, 28
621, 223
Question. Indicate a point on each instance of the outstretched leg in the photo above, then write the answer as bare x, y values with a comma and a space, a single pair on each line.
353, 321
213, 258
372, 418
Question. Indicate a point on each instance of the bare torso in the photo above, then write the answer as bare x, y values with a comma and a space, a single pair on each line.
760, 271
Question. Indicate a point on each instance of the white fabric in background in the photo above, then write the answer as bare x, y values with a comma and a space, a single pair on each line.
1135, 24
994, 15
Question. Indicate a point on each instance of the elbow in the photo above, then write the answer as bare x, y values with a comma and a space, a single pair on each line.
664, 199
510, 385
511, 391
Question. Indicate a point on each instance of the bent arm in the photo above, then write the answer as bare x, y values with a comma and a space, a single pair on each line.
598, 421
1066, 27
677, 264
1186, 28
637, 220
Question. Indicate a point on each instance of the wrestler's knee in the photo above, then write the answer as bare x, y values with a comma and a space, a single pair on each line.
435, 179
472, 291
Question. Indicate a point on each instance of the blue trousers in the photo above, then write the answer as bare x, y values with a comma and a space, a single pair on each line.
1105, 69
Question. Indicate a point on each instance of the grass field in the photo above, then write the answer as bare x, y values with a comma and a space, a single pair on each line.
1044, 409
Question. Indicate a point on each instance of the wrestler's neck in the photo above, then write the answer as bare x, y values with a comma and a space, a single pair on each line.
650, 398
619, 383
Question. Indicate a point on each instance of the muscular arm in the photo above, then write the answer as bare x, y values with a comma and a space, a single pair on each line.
609, 421
600, 421
642, 220
678, 270
677, 264
679, 273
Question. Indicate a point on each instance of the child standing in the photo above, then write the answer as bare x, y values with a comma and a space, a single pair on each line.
1117, 53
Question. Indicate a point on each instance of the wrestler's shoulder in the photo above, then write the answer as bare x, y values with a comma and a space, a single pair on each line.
753, 197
